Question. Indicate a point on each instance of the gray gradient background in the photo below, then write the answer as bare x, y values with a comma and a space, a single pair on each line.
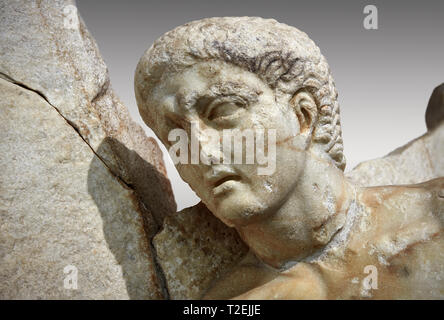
384, 77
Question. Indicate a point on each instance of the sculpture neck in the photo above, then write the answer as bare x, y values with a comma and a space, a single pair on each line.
314, 211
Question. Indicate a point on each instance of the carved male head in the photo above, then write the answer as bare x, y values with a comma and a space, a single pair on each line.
238, 73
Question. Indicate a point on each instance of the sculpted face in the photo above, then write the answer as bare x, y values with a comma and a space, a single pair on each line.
215, 96
211, 76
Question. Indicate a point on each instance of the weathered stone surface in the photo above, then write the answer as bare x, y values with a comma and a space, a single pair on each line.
193, 249
45, 46
418, 161
81, 184
435, 108
59, 206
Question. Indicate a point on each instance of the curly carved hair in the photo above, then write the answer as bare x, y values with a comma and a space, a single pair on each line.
283, 56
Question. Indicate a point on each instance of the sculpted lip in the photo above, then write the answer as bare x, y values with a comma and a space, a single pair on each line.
224, 186
225, 179
220, 183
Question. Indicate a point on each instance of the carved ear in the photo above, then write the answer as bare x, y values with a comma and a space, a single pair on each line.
306, 110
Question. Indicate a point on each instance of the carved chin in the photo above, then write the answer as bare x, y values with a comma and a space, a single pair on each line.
239, 214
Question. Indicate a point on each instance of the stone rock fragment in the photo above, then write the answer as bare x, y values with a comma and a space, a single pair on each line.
80, 182
435, 108
193, 249
60, 206
45, 46
417, 161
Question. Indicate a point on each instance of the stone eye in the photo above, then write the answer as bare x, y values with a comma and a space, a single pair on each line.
225, 110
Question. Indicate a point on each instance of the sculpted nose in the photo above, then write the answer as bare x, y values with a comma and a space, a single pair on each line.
210, 154
210, 146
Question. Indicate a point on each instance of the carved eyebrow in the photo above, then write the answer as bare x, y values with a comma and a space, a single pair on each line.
235, 88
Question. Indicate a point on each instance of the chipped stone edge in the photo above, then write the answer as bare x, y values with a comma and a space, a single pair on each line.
160, 276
